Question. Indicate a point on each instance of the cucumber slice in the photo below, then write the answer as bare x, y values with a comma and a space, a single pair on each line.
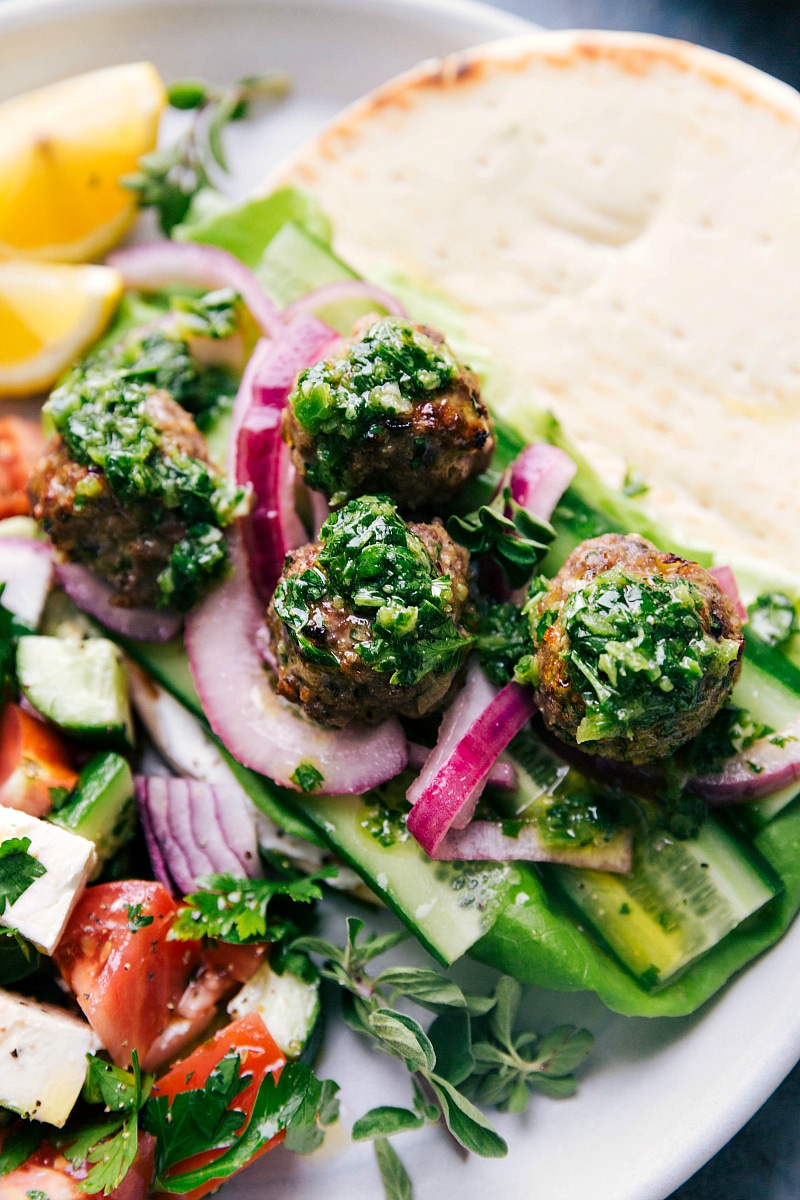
447, 906
287, 1004
101, 808
295, 263
681, 898
169, 666
80, 686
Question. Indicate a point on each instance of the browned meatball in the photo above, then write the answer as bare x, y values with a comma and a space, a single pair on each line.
128, 543
636, 650
394, 412
320, 660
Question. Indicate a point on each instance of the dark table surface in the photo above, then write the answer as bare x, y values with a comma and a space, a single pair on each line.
763, 1161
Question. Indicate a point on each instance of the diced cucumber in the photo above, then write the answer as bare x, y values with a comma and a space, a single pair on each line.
447, 906
295, 263
80, 686
681, 898
101, 808
288, 1006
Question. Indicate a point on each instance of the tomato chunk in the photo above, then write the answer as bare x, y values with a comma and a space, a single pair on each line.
33, 759
127, 976
250, 1039
21, 446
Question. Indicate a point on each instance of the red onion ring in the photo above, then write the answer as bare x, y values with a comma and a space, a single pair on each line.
727, 581
484, 841
345, 289
260, 729
540, 475
94, 596
154, 265
502, 775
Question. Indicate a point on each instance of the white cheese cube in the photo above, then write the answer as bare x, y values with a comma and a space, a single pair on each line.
287, 1005
42, 1058
43, 909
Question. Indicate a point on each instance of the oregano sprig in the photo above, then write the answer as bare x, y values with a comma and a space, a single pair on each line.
469, 1052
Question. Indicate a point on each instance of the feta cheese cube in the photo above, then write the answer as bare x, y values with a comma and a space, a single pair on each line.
42, 1058
42, 911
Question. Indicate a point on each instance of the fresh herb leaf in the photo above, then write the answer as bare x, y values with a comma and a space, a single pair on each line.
18, 870
236, 910
773, 618
424, 986
384, 1122
169, 178
136, 920
506, 531
503, 640
307, 777
18, 958
120, 1090
396, 1183
298, 1103
404, 1036
451, 1038
19, 1145
466, 1123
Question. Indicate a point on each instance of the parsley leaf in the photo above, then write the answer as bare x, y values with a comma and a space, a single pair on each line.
235, 910
18, 870
19, 1145
136, 920
18, 957
504, 638
298, 1103
307, 777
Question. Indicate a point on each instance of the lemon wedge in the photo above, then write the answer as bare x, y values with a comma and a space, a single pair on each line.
63, 149
49, 313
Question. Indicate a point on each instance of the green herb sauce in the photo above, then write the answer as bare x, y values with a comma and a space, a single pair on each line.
373, 565
637, 651
341, 401
100, 411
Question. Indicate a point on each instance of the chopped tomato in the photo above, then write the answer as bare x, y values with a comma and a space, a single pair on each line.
127, 975
21, 446
33, 1180
33, 759
249, 1038
48, 1172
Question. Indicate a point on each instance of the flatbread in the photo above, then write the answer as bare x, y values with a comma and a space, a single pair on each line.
619, 217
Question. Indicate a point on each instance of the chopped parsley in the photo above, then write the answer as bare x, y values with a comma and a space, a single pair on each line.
235, 910
307, 777
504, 638
342, 401
773, 618
101, 411
371, 563
637, 651
18, 870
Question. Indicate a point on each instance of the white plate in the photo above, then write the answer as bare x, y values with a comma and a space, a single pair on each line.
661, 1096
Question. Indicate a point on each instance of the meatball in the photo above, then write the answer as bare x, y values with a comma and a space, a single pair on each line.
128, 543
393, 411
367, 621
636, 650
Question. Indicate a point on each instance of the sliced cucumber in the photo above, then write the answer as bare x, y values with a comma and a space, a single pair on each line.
681, 898
447, 906
101, 808
169, 666
287, 1004
295, 263
80, 686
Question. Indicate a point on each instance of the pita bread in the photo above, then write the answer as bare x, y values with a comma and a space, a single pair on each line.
619, 217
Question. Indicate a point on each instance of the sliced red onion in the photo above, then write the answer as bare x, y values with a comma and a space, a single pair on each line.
345, 289
485, 841
450, 792
94, 596
260, 729
727, 581
771, 764
540, 475
154, 265
473, 699
502, 775
26, 569
244, 400
272, 527
192, 825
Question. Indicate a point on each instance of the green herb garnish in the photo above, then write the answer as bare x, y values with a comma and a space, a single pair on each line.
773, 618
170, 177
18, 870
340, 401
373, 564
637, 650
508, 533
236, 910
